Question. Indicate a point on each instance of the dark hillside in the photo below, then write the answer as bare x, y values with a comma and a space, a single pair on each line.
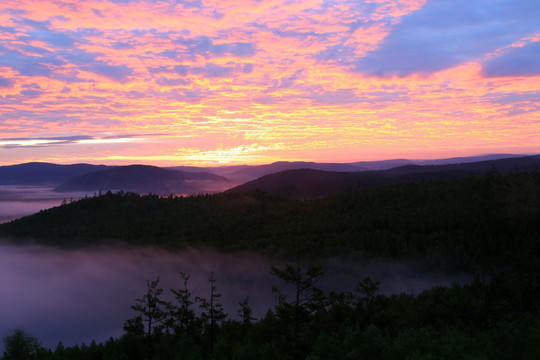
502, 166
307, 183
487, 225
253, 172
477, 220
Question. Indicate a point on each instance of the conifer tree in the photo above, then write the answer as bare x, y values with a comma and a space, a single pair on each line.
182, 315
308, 298
151, 310
212, 311
19, 345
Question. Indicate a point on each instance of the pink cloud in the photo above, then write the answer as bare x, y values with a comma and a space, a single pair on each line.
305, 72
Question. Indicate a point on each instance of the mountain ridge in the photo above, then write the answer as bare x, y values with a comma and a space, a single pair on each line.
193, 179
43, 173
311, 183
139, 179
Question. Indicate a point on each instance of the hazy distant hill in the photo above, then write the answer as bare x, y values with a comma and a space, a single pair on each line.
517, 164
392, 163
244, 173
218, 170
138, 178
215, 179
253, 172
37, 173
466, 159
309, 183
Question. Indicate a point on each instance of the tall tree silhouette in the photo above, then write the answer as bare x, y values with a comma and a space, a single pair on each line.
182, 315
19, 345
212, 311
308, 298
151, 310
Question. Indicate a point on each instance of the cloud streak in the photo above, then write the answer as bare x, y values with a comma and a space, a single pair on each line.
335, 80
64, 140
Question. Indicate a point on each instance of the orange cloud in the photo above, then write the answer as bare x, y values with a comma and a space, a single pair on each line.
251, 81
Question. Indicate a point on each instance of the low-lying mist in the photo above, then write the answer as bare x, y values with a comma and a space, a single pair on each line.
19, 201
75, 296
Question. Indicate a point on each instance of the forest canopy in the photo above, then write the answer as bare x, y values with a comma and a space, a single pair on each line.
486, 225
470, 219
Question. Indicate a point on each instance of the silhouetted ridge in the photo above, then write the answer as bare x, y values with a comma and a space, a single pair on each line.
135, 178
308, 183
454, 217
38, 173
279, 166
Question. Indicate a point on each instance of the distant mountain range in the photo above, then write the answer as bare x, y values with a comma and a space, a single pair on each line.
141, 179
43, 174
392, 163
298, 179
310, 183
93, 178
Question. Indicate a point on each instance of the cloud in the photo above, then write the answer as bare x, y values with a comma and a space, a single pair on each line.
206, 46
444, 34
118, 73
46, 141
120, 45
188, 4
164, 81
98, 13
186, 95
28, 91
318, 96
31, 93
509, 99
247, 68
181, 70
159, 69
8, 143
39, 30
520, 61
213, 70
27, 65
50, 63
208, 70
341, 96
285, 82
301, 70
5, 82
69, 77
516, 104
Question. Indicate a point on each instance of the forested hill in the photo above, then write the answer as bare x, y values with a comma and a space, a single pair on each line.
311, 183
481, 219
141, 179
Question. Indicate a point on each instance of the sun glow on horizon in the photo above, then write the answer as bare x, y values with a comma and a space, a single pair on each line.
205, 82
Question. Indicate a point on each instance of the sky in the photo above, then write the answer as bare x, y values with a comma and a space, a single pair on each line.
208, 82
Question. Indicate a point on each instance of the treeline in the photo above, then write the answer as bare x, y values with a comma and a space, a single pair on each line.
474, 321
481, 219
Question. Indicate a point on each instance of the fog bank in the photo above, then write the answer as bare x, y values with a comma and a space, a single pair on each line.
18, 201
79, 295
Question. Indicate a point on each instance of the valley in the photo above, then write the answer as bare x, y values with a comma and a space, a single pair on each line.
454, 247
